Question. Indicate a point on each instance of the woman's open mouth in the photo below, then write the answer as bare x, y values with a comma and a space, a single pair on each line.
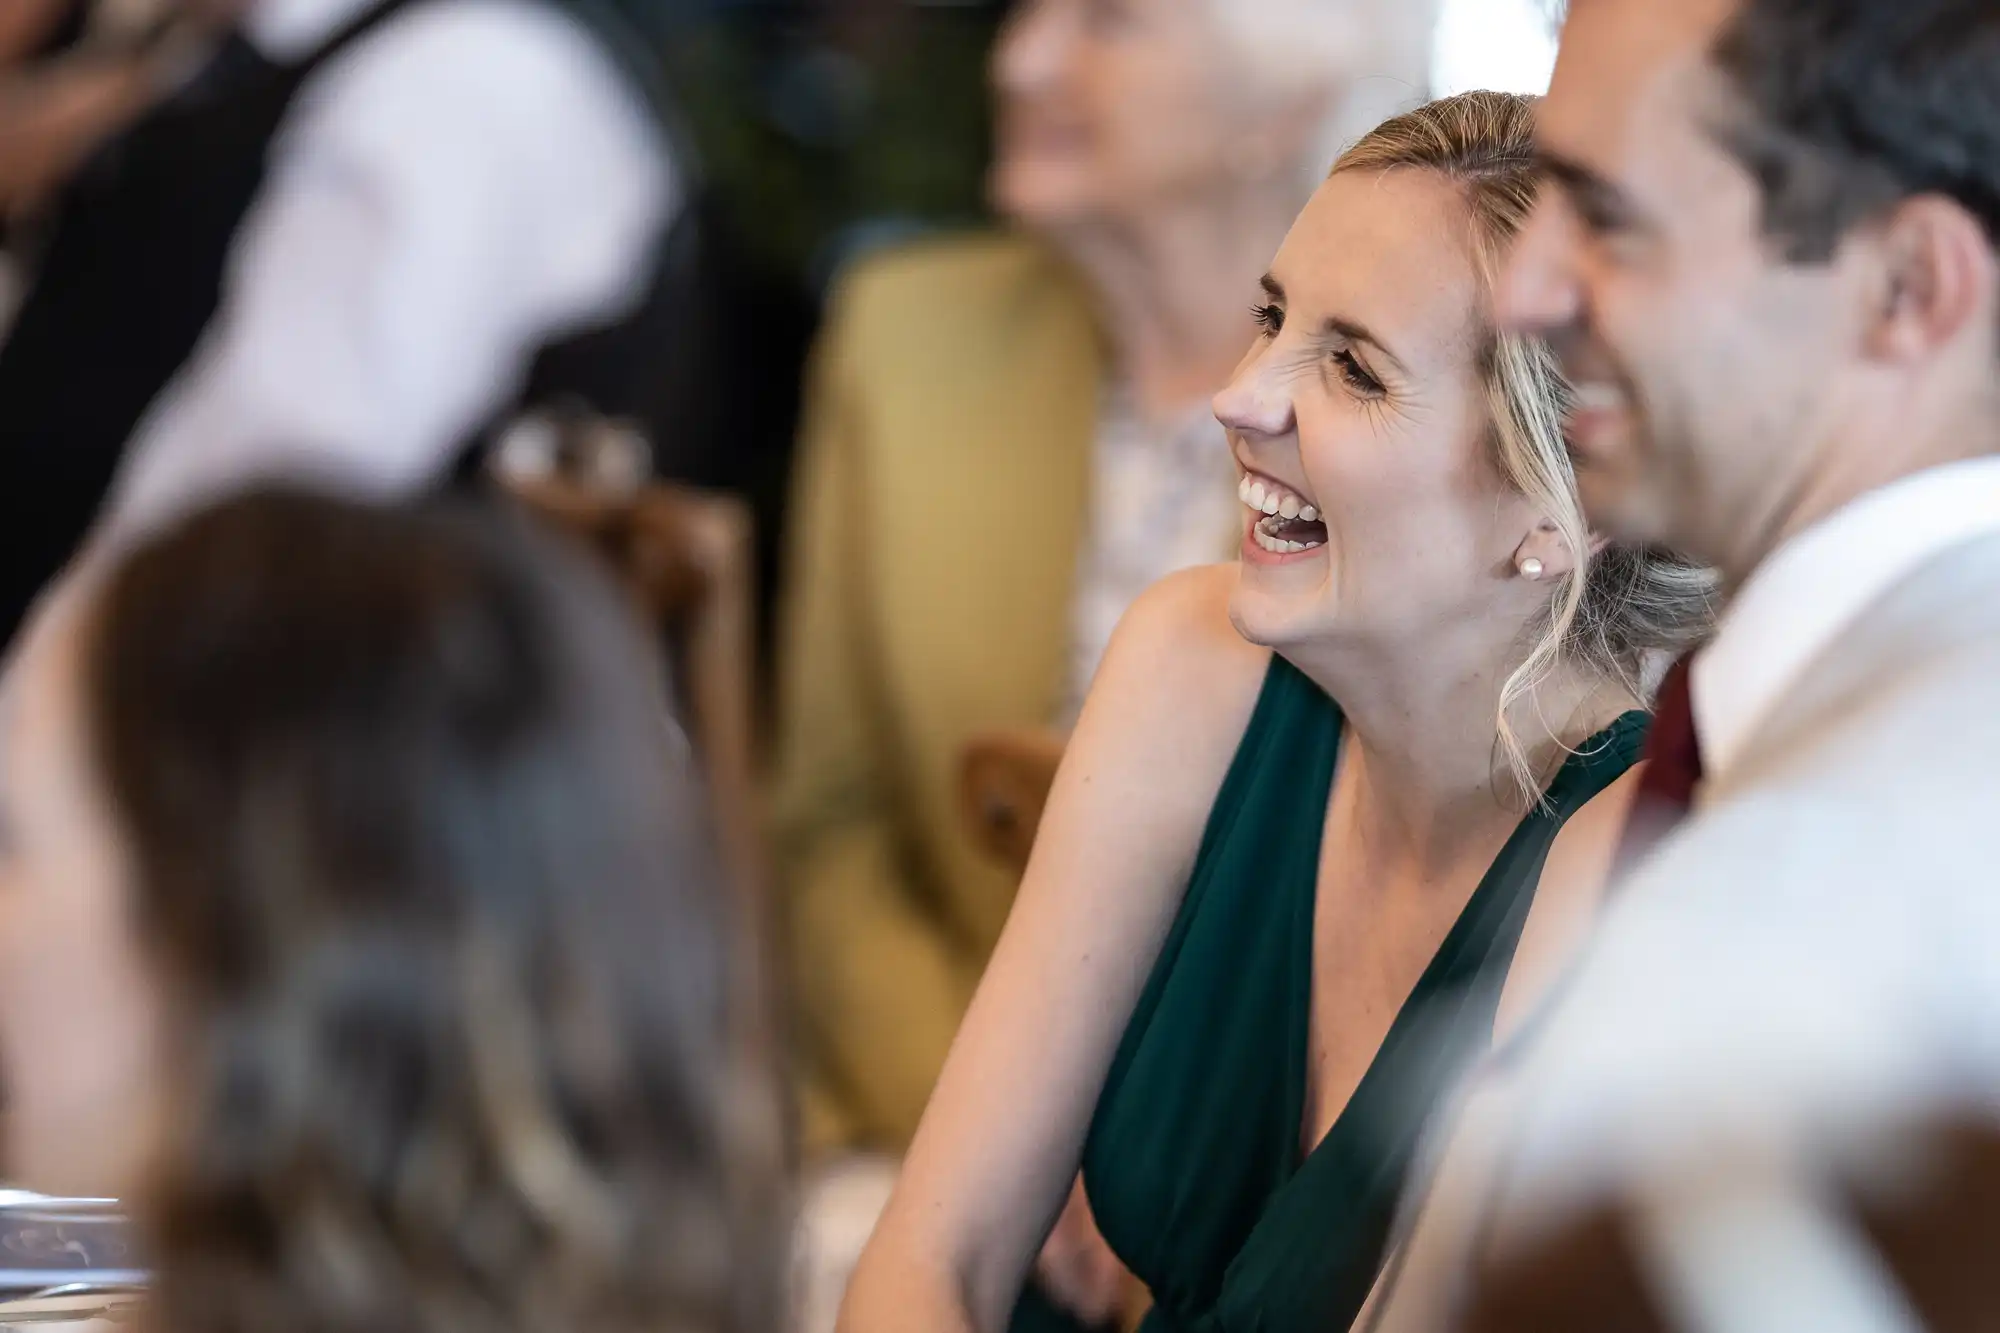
1290, 523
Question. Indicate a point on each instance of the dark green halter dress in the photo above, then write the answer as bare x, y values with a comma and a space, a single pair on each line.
1193, 1163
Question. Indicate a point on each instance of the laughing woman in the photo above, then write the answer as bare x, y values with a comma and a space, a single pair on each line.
1304, 816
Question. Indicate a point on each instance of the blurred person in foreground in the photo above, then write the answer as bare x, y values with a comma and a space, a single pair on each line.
1312, 796
1007, 438
357, 932
345, 250
1767, 252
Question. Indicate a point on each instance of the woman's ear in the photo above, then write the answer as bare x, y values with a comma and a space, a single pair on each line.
1545, 554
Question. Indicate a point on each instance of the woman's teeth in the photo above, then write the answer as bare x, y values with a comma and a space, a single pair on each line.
1269, 498
1278, 545
1287, 517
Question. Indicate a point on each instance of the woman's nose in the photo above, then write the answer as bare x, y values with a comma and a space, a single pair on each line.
1253, 403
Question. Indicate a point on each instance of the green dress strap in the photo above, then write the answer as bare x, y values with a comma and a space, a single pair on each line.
1193, 1162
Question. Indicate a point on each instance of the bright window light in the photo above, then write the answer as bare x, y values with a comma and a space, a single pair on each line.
1509, 45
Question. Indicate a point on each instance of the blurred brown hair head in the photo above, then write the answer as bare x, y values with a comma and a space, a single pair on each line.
458, 1003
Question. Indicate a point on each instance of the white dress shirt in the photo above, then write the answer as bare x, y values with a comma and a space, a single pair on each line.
1814, 586
460, 185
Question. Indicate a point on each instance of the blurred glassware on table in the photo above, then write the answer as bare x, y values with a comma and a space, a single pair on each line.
47, 1241
67, 1264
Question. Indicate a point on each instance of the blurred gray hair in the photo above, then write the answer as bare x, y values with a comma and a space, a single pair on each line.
1371, 57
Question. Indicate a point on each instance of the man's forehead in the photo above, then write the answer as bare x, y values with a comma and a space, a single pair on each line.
1624, 65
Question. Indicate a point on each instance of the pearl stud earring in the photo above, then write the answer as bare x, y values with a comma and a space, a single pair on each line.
1530, 567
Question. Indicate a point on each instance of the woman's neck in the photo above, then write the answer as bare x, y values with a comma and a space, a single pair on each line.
1175, 288
1425, 784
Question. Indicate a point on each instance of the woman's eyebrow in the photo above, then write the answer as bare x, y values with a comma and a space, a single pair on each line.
1337, 326
1353, 331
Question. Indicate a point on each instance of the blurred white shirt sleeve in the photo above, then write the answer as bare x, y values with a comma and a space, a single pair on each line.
465, 182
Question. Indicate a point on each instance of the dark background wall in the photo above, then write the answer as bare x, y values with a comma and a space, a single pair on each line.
823, 128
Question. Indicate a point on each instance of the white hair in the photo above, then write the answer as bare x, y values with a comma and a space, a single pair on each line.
1371, 58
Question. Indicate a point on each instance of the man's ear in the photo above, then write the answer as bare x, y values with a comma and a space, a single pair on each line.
1939, 279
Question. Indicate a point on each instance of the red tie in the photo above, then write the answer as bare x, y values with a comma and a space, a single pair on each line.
1673, 768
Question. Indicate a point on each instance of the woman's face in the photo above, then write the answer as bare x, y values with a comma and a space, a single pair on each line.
79, 1013
1107, 109
1358, 420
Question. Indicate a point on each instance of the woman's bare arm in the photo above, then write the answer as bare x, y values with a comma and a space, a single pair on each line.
999, 1144
1571, 894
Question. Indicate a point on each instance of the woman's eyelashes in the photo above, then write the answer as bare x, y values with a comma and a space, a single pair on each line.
1350, 369
1270, 317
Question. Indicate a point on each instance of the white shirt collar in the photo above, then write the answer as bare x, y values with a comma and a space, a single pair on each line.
1813, 586
288, 29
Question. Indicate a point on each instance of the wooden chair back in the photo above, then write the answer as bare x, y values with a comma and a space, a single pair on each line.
1004, 781
685, 558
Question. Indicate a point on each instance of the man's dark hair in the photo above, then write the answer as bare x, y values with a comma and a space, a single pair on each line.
1846, 107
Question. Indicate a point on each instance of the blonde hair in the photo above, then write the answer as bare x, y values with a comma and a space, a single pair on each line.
1622, 608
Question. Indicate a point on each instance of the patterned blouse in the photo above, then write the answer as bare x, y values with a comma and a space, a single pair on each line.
1162, 498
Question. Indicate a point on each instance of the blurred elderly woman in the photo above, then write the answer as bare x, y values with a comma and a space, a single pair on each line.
355, 929
1008, 438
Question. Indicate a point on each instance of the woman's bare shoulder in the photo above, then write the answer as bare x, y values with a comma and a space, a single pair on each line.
1570, 896
1584, 848
1178, 635
1177, 671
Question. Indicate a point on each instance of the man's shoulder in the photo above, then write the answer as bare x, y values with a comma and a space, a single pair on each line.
1813, 942
1886, 786
1948, 605
1787, 960
1905, 701
1856, 854
1865, 851
1896, 742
